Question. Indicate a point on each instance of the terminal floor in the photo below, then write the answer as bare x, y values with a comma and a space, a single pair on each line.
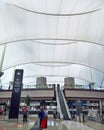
52, 124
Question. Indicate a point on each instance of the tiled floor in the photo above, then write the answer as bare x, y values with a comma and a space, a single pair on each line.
5, 124
95, 125
52, 124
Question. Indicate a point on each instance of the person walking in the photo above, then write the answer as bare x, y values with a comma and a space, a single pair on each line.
41, 114
43, 117
5, 109
25, 111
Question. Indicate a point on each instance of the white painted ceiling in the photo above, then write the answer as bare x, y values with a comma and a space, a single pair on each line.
52, 38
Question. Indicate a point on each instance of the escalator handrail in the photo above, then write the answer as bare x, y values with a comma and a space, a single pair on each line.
58, 103
65, 104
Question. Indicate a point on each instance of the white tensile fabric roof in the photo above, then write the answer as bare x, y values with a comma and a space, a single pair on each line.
53, 39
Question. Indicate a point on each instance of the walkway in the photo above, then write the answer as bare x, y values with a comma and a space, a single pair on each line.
52, 124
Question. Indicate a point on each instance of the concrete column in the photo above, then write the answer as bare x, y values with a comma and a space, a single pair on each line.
101, 111
41, 81
10, 85
69, 82
91, 85
1, 73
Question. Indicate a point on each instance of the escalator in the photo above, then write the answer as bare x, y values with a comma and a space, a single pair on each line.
62, 105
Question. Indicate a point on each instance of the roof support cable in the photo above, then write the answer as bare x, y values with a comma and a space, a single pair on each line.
3, 56
102, 82
91, 74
